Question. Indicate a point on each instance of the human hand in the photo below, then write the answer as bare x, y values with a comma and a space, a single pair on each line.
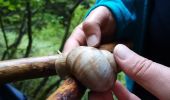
152, 76
96, 29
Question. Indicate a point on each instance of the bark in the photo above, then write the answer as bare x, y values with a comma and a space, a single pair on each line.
71, 89
27, 68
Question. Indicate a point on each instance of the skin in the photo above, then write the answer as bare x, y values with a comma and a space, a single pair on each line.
92, 29
99, 26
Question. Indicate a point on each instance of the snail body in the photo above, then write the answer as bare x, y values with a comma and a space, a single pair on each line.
96, 69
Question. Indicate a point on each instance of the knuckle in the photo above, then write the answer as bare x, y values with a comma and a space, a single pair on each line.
141, 67
88, 27
87, 24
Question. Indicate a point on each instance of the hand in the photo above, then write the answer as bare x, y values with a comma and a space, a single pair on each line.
99, 23
119, 90
152, 76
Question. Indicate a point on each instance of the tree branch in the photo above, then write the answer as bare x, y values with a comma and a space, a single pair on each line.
26, 68
5, 37
70, 89
69, 24
44, 94
13, 47
29, 23
41, 84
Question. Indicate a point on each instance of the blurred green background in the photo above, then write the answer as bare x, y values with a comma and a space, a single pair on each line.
30, 28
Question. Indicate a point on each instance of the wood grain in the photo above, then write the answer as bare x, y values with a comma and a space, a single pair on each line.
27, 68
70, 89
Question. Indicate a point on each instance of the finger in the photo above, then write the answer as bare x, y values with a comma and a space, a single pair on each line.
152, 76
93, 23
122, 93
76, 39
92, 32
101, 95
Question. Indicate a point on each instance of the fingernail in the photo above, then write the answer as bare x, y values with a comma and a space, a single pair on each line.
122, 52
92, 40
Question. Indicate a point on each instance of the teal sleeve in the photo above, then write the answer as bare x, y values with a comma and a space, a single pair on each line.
121, 13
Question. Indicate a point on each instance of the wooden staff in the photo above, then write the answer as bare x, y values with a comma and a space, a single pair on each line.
27, 68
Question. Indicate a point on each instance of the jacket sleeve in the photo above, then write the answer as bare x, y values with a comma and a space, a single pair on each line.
119, 9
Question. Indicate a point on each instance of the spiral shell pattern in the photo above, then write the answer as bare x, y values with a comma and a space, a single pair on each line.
96, 69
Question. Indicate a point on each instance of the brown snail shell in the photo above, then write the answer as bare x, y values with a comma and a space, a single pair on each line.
96, 69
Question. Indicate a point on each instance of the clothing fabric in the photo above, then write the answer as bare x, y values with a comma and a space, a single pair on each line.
8, 92
146, 24
158, 34
130, 17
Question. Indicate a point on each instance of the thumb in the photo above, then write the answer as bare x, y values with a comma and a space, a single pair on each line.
145, 72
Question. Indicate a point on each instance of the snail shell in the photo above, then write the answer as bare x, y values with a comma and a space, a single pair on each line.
96, 69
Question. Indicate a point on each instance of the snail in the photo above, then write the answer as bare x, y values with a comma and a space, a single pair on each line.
96, 69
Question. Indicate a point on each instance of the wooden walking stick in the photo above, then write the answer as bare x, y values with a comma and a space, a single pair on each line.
27, 68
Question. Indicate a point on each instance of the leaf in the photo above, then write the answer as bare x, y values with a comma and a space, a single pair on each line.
11, 7
1, 1
6, 3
